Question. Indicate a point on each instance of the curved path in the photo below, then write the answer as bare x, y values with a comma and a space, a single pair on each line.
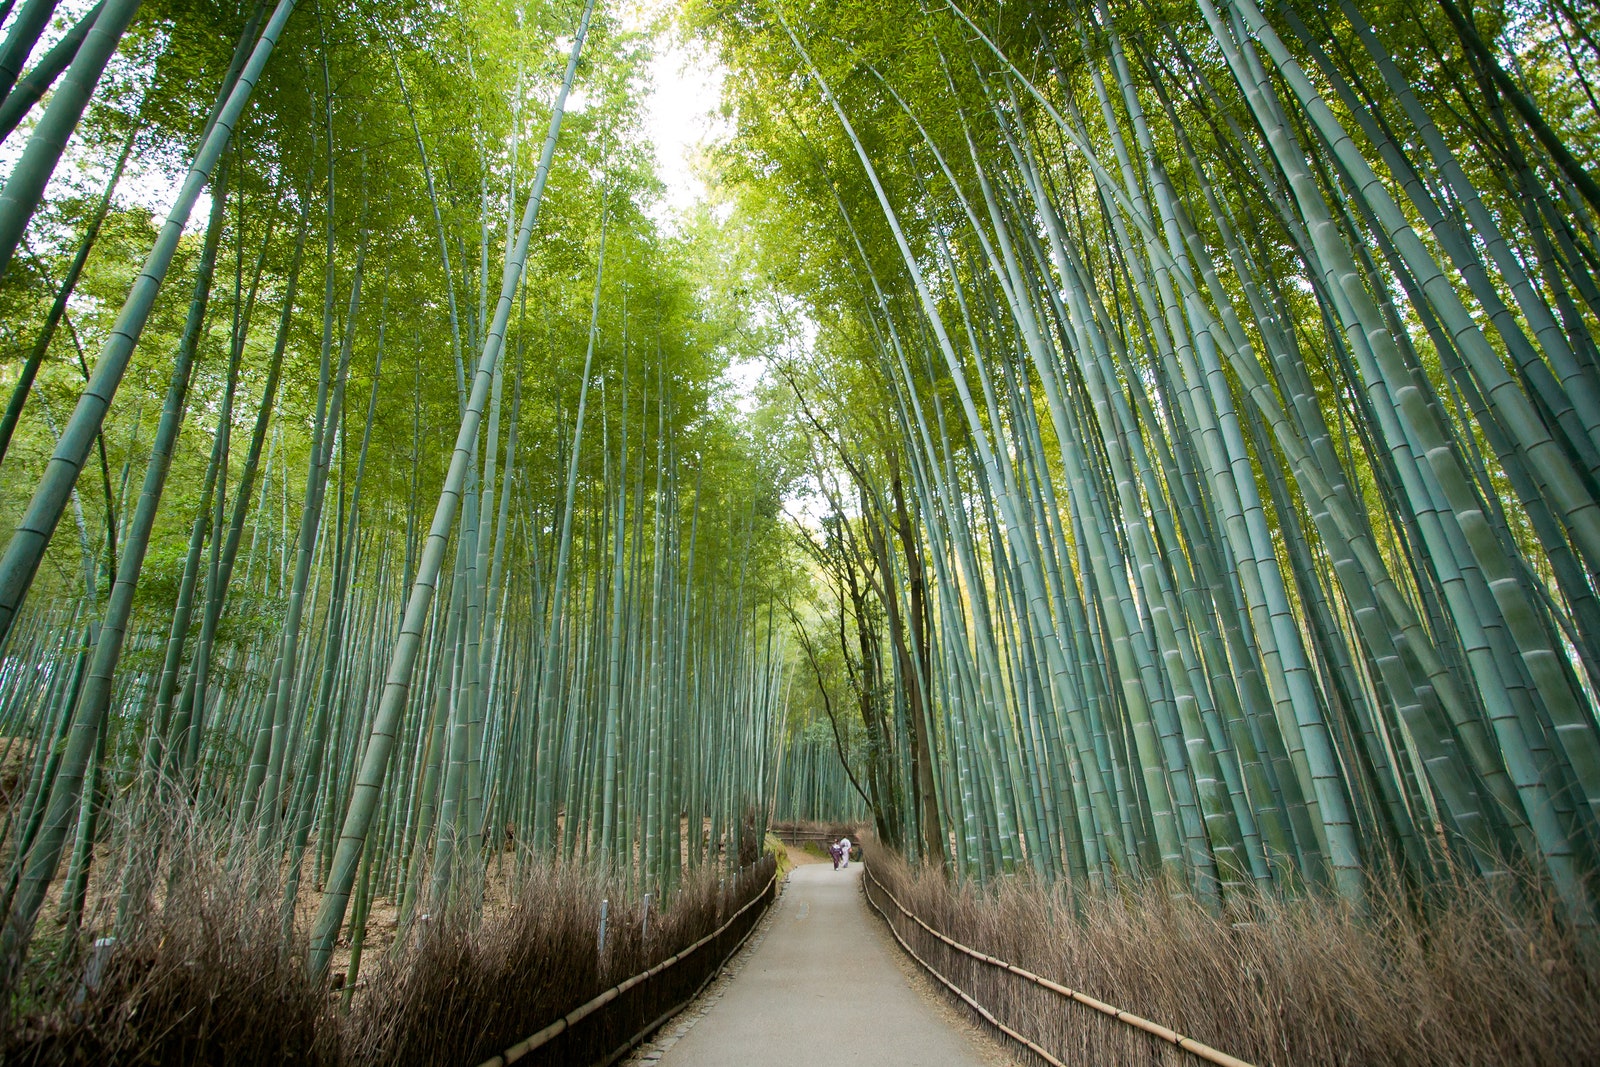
823, 987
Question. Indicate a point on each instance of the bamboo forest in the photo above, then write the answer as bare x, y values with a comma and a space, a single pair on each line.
1133, 469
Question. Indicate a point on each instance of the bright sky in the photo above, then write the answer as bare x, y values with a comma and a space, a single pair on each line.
682, 114
682, 111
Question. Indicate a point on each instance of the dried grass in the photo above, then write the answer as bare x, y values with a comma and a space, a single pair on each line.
204, 976
1464, 978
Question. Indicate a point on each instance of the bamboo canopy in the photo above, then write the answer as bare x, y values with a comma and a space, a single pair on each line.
1235, 370
1111, 441
572, 662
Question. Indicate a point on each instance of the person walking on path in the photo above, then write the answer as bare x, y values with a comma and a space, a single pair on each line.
844, 852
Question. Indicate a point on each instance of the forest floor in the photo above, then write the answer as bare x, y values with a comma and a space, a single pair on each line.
800, 856
821, 982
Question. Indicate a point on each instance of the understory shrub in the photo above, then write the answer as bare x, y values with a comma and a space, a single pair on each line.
1461, 977
202, 972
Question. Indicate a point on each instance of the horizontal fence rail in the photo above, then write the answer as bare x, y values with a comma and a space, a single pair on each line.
576, 1015
1188, 1044
792, 834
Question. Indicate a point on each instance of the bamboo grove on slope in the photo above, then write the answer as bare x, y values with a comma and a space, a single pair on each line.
1239, 367
573, 658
